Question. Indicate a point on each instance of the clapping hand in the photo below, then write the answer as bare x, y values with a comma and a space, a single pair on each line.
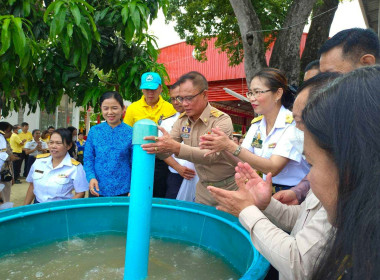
253, 190
287, 197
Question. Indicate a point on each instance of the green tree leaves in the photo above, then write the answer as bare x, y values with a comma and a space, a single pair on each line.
74, 47
15, 49
76, 16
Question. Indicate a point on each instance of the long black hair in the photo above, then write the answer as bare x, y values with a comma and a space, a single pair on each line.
344, 120
275, 79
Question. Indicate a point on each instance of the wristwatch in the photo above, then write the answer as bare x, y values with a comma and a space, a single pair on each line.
237, 151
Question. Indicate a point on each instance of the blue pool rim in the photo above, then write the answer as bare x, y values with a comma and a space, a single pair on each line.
35, 219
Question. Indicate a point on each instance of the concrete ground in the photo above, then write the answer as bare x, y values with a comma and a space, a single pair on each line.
18, 193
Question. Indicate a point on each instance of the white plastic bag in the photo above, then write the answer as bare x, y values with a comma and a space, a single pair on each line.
187, 190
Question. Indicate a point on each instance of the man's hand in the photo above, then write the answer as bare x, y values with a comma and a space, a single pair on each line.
253, 190
286, 197
164, 144
186, 173
14, 157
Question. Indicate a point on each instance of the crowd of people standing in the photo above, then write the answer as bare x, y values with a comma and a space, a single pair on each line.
303, 182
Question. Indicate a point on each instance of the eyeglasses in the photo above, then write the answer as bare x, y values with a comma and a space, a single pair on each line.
173, 99
256, 93
57, 143
189, 99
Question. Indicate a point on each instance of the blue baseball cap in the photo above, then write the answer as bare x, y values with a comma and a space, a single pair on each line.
150, 80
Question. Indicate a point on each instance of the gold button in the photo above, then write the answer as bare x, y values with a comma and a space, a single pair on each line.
205, 119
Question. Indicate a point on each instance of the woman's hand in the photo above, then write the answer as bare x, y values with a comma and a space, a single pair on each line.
253, 190
29, 198
260, 190
216, 142
79, 195
94, 186
288, 197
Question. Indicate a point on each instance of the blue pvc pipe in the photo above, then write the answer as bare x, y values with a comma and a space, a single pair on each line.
138, 232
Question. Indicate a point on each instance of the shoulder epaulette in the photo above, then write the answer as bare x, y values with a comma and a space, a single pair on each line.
289, 118
182, 115
43, 155
216, 113
2, 132
169, 116
259, 118
75, 162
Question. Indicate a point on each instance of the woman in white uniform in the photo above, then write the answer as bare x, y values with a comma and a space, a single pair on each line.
54, 176
267, 146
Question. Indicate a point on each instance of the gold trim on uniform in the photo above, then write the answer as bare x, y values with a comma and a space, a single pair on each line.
169, 116
288, 119
43, 155
216, 113
259, 118
75, 162
182, 115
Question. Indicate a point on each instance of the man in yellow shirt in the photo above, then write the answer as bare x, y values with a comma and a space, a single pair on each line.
152, 106
27, 135
17, 144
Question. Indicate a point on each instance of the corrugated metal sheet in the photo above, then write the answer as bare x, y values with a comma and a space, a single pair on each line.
178, 59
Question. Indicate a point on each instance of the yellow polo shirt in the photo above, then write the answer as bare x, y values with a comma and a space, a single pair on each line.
141, 110
16, 143
28, 136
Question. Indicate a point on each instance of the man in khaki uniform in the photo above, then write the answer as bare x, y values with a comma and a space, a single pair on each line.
198, 119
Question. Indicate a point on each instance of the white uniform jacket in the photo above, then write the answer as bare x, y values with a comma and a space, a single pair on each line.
51, 184
3, 149
278, 142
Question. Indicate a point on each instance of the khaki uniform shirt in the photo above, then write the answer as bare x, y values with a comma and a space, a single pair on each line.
294, 255
213, 168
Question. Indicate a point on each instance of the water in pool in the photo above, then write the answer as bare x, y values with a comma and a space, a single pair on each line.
102, 257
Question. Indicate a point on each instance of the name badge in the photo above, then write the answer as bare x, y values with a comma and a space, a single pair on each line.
39, 171
63, 176
273, 145
185, 135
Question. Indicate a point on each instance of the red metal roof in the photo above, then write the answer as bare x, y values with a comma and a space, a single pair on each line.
178, 59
